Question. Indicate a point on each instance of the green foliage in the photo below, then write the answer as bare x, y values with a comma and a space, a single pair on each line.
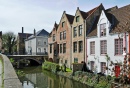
20, 73
53, 67
9, 41
68, 70
11, 60
93, 80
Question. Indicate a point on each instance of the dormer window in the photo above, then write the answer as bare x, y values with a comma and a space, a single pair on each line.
103, 29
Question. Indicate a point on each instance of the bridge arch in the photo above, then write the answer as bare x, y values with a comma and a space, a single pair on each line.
33, 61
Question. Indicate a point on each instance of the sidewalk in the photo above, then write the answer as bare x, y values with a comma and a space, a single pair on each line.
0, 74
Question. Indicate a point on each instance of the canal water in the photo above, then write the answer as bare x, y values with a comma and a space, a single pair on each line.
35, 77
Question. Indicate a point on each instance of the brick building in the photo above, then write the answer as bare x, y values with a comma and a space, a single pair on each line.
81, 26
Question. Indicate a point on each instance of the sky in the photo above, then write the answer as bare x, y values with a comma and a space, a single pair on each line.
42, 14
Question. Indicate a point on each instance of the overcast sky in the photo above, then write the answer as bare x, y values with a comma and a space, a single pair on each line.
42, 14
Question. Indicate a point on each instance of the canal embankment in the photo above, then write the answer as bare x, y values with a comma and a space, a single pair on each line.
1, 73
10, 78
90, 79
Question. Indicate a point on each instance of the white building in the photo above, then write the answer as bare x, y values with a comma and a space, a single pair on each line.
106, 38
37, 44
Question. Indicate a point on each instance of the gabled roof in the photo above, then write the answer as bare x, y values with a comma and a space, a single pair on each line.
87, 14
54, 28
70, 18
40, 33
122, 19
93, 30
119, 19
112, 9
24, 35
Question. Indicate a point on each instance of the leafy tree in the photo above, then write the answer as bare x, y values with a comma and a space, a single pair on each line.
9, 41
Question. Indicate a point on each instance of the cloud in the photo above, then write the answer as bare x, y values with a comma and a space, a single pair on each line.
41, 14
30, 14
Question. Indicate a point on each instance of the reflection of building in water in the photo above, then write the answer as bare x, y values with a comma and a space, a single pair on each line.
53, 82
65, 83
59, 82
38, 80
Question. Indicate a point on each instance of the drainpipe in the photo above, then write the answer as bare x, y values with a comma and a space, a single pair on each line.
71, 47
84, 39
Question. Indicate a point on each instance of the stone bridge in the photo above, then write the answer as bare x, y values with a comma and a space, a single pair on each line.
33, 58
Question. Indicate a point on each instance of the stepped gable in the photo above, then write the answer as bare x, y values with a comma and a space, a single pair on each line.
54, 28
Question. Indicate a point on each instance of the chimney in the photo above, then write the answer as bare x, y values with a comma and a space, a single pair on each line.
34, 32
22, 29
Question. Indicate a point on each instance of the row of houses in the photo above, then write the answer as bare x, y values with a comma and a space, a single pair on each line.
90, 36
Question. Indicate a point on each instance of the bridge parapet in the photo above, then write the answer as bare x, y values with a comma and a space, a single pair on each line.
10, 77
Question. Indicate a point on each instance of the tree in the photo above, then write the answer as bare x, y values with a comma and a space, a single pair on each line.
9, 41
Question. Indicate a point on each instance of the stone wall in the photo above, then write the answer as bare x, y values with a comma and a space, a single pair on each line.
10, 77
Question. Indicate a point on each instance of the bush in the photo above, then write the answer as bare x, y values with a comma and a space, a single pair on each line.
53, 67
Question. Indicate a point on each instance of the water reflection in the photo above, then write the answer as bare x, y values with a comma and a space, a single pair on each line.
36, 78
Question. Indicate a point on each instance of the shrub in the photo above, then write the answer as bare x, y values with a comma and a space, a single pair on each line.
53, 67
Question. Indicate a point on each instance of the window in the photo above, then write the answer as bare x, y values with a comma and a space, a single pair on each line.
80, 30
63, 24
75, 46
92, 47
57, 48
39, 49
44, 43
60, 35
92, 65
118, 46
103, 67
75, 60
60, 48
44, 50
80, 46
39, 42
75, 32
77, 19
50, 48
53, 38
103, 29
65, 61
64, 34
103, 47
64, 48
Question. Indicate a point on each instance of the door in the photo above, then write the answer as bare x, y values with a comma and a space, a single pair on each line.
117, 70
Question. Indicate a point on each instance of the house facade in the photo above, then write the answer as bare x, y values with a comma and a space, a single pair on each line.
108, 40
64, 39
60, 41
52, 44
20, 42
37, 43
81, 25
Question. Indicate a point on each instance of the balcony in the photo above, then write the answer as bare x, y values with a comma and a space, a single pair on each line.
41, 53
